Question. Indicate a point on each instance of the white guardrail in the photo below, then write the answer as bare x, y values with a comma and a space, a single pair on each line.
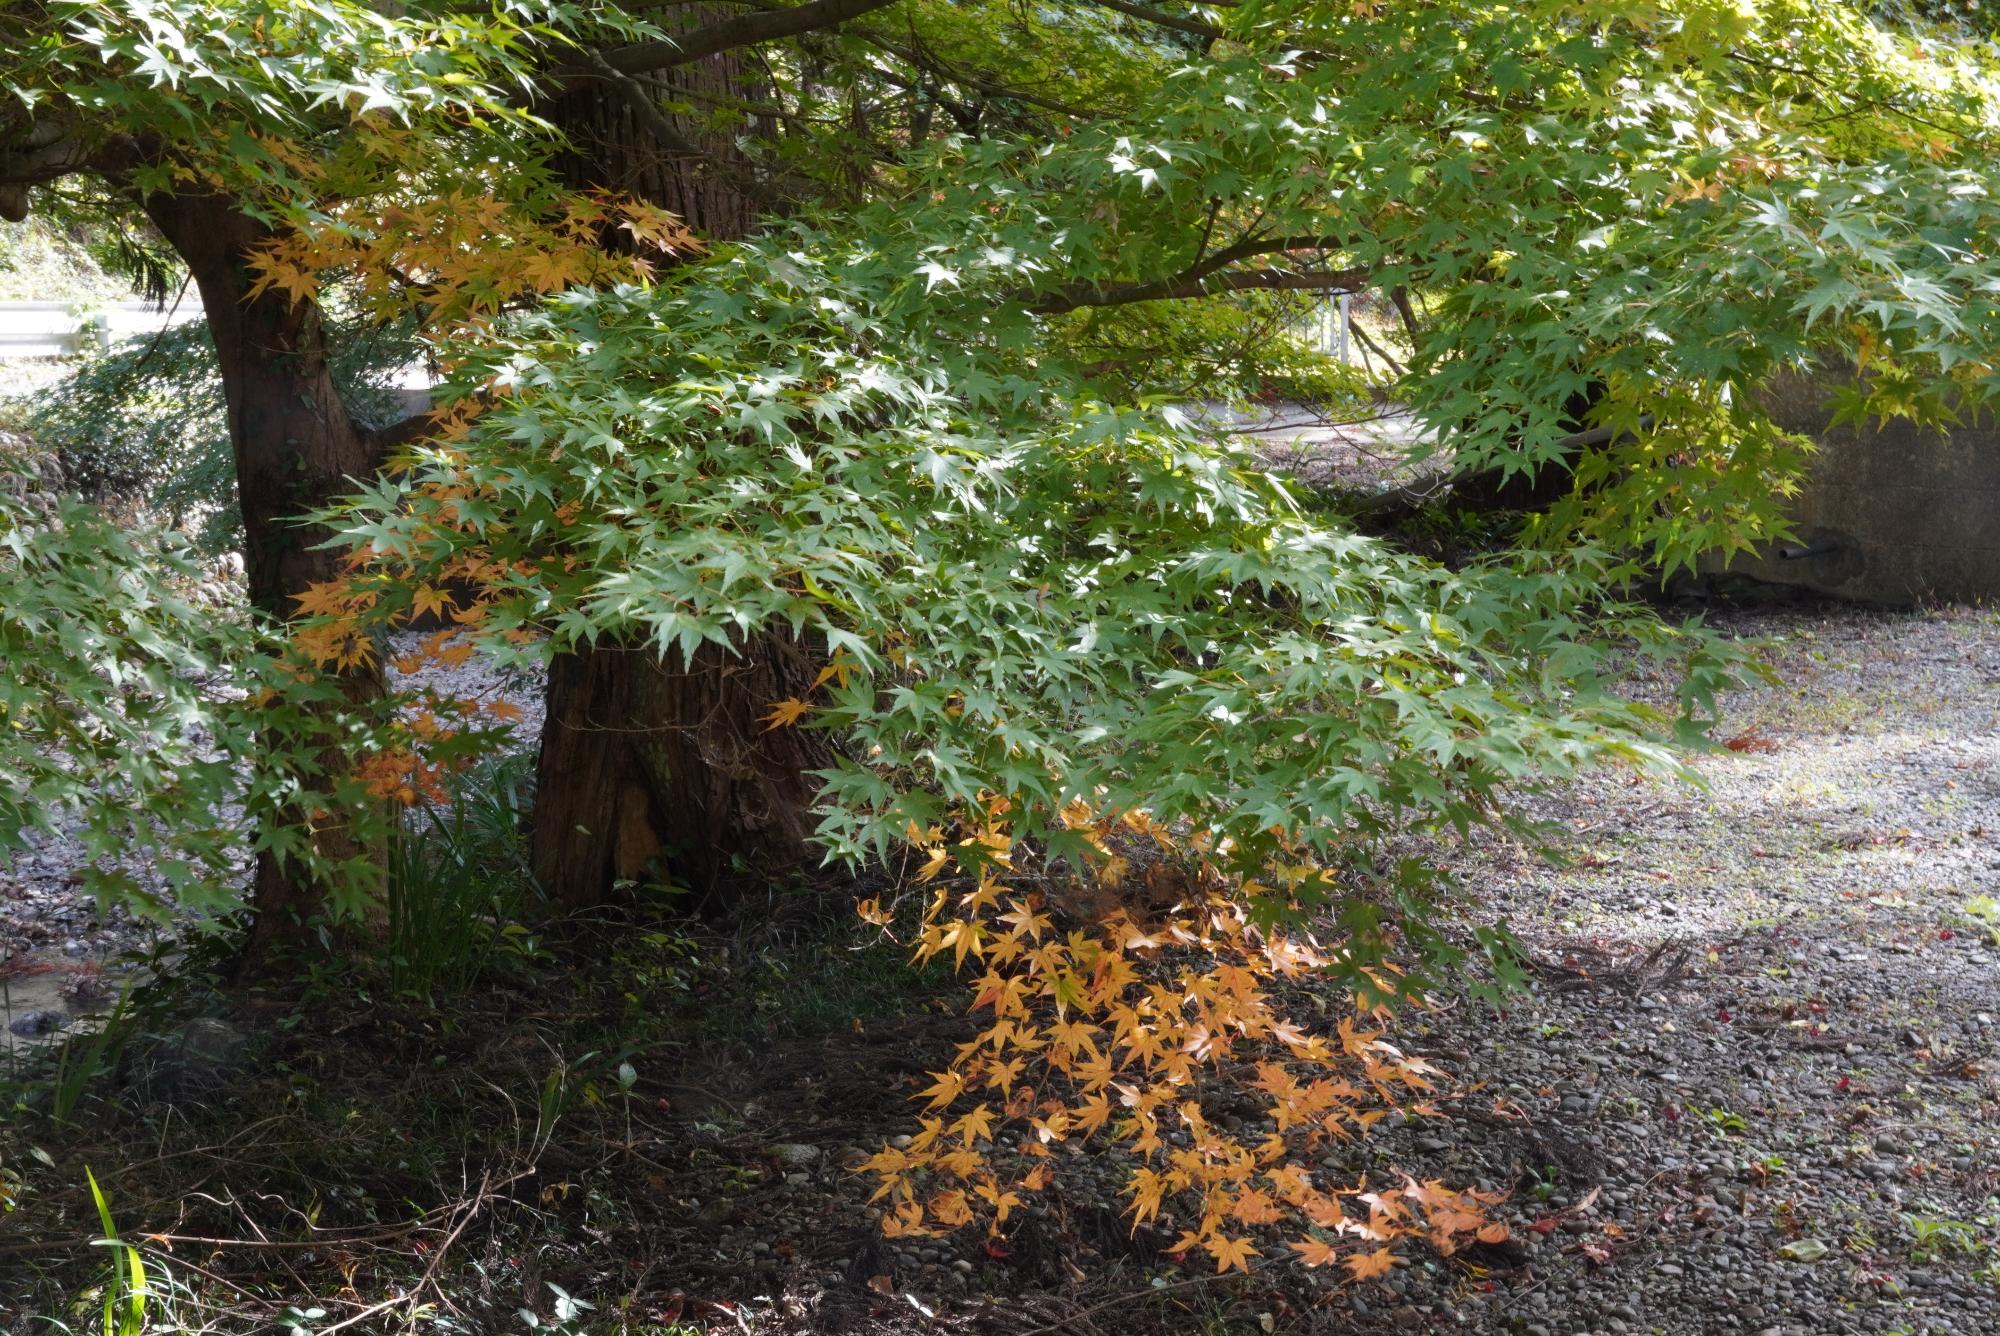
64, 329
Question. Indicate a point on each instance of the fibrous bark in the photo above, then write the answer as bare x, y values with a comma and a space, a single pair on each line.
296, 448
651, 767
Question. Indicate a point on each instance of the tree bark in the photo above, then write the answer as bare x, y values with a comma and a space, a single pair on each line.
653, 768
296, 448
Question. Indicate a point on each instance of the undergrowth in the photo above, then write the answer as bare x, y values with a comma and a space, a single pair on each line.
367, 1156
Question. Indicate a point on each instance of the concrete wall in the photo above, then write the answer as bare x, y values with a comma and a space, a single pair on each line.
1895, 516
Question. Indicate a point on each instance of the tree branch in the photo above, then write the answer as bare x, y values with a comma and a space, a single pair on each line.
977, 83
1164, 20
1183, 287
743, 30
1249, 247
1193, 281
643, 105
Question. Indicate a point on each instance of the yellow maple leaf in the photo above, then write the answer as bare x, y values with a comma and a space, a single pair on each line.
948, 1088
934, 864
432, 602
905, 1222
1002, 1202
548, 271
1253, 1207
840, 667
277, 273
963, 937
1093, 1113
786, 713
976, 1123
1230, 1253
960, 1163
326, 598
1145, 1188
950, 1208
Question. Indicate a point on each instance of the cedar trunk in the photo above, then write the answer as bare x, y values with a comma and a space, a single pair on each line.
296, 448
651, 767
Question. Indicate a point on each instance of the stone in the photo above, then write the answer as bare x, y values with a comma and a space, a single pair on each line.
196, 1060
30, 1024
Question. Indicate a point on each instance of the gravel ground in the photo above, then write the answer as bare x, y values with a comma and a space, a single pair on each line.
1762, 1044
1352, 448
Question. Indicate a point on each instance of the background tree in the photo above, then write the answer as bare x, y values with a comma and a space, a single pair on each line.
258, 138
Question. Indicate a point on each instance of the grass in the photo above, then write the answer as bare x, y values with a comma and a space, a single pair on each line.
125, 1291
459, 882
80, 1062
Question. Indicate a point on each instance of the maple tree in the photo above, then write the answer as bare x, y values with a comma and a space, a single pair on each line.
864, 518
880, 433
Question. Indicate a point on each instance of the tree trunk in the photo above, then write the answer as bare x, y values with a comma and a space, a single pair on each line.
652, 770
650, 767
296, 448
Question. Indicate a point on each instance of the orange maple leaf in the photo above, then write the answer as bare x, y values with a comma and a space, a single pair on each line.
1314, 1253
1369, 1265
